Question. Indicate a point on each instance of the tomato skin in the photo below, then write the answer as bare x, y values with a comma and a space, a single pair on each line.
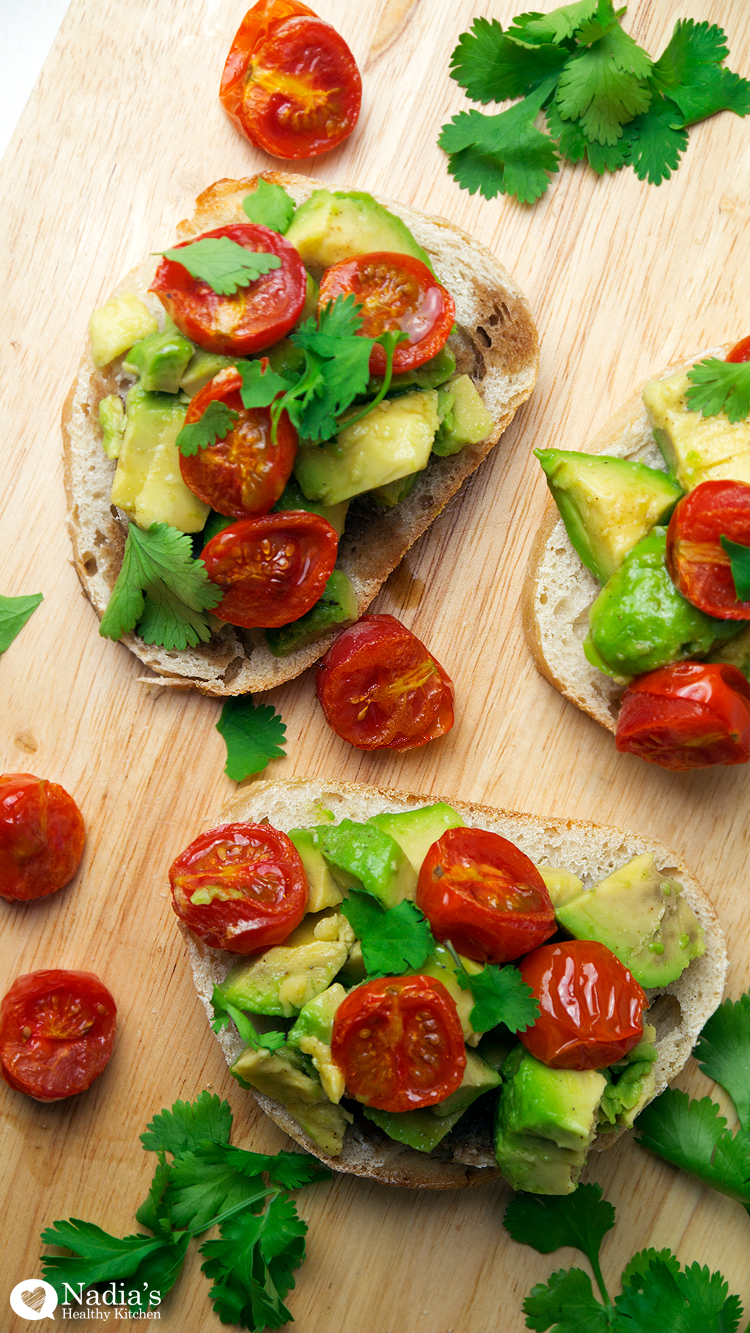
395, 292
259, 871
273, 568
380, 688
484, 895
41, 837
689, 715
399, 1043
69, 1021
591, 1005
740, 351
290, 83
697, 562
251, 320
245, 473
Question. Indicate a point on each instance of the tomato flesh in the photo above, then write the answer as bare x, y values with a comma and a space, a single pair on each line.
380, 688
697, 562
484, 895
41, 837
240, 887
290, 83
257, 316
399, 1043
396, 292
689, 715
740, 351
273, 569
57, 1029
591, 1005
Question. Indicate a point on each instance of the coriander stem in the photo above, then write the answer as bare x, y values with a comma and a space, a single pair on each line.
600, 1284
230, 1212
382, 391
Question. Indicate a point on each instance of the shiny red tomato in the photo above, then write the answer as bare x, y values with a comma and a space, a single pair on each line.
689, 715
395, 292
251, 320
240, 887
591, 1005
290, 83
481, 893
399, 1043
57, 1029
380, 688
697, 562
273, 569
41, 837
741, 351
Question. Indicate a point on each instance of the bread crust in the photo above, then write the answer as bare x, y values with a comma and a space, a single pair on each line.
495, 342
589, 850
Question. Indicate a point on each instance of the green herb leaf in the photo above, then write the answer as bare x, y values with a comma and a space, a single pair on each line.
100, 1257
189, 1124
604, 86
203, 1185
259, 386
154, 1212
215, 424
723, 1049
492, 68
288, 1170
716, 89
739, 559
694, 1136
222, 264
547, 1222
253, 734
252, 1265
393, 941
224, 1011
662, 1296
501, 997
556, 26
162, 583
14, 612
719, 386
270, 206
338, 369
692, 47
656, 141
504, 154
565, 1303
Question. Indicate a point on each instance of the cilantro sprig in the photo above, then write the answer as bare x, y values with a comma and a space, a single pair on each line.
224, 1011
254, 735
215, 424
222, 264
393, 939
162, 592
269, 205
719, 386
14, 612
500, 996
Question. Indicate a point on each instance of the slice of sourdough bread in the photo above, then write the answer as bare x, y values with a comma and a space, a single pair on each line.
494, 341
591, 851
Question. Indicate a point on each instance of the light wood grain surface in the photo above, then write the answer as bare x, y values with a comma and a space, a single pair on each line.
122, 131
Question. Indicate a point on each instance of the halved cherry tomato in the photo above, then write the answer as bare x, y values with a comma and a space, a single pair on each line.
399, 1043
689, 715
57, 1029
591, 1005
290, 83
740, 351
245, 473
240, 887
395, 292
380, 688
480, 892
41, 837
697, 562
273, 569
251, 320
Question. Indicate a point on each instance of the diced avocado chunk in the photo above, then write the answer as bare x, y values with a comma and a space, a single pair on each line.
280, 1076
283, 979
112, 421
695, 448
416, 830
335, 608
417, 1129
633, 1083
441, 965
147, 483
479, 1077
465, 419
215, 523
311, 1034
160, 360
323, 891
293, 497
640, 914
736, 652
331, 226
395, 491
607, 504
286, 358
392, 441
115, 326
560, 884
429, 375
201, 368
362, 856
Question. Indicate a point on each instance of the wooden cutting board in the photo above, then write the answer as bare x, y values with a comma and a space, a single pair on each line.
124, 128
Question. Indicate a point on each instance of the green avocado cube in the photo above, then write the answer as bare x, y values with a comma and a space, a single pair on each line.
201, 368
441, 965
281, 980
417, 1129
311, 1034
479, 1077
148, 483
335, 225
335, 608
395, 491
292, 497
695, 448
323, 891
113, 422
416, 830
160, 360
431, 374
466, 421
736, 652
364, 857
280, 1075
117, 325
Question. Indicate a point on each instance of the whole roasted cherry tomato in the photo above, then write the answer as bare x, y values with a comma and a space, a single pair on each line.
740, 351
395, 292
481, 893
380, 688
273, 569
57, 1029
689, 715
699, 565
240, 887
251, 320
290, 84
245, 473
399, 1043
41, 837
591, 1005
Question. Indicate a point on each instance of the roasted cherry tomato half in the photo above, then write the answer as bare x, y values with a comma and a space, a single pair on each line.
41, 837
245, 473
740, 351
290, 84
591, 1005
689, 715
251, 320
240, 887
273, 569
481, 893
57, 1030
380, 688
699, 565
395, 292
399, 1043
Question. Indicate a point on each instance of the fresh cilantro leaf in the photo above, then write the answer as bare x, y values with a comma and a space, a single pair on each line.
694, 1136
392, 941
662, 1296
641, 1262
556, 26
269, 205
252, 1265
254, 735
169, 621
548, 1222
259, 386
224, 1011
692, 46
215, 423
598, 25
723, 1049
608, 157
739, 560
154, 1212
204, 1184
337, 369
222, 264
288, 1170
566, 1303
571, 140
491, 68
504, 154
389, 341
720, 386
189, 1124
160, 563
14, 612
501, 996
604, 87
99, 1257
656, 141
715, 89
